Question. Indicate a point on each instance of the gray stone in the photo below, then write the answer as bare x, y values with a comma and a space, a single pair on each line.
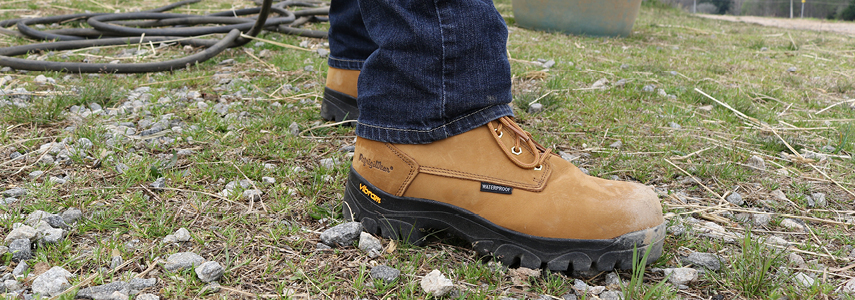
611, 295
49, 235
580, 286
706, 260
612, 280
13, 285
569, 297
105, 291
803, 280
15, 192
36, 174
648, 88
116, 261
210, 271
756, 162
20, 269
21, 249
147, 296
139, 284
71, 215
52, 282
793, 225
342, 235
323, 52
268, 180
294, 128
676, 230
182, 261
329, 163
182, 235
616, 145
535, 108
369, 243
681, 276
849, 286
596, 290
8, 200
158, 184
819, 199
735, 198
21, 232
674, 125
322, 247
796, 260
213, 287
121, 168
761, 220
792, 69
56, 221
37, 216
436, 284
84, 143
252, 195
385, 273
549, 64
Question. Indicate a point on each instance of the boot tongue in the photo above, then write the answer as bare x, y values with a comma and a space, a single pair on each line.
517, 144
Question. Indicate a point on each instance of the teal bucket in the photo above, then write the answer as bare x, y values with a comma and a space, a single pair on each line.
587, 17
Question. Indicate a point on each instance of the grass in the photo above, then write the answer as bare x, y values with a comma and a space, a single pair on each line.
268, 246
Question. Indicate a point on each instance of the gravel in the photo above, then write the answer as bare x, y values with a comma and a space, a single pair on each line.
182, 261
182, 235
21, 249
342, 235
21, 232
436, 284
370, 244
535, 108
105, 291
735, 198
756, 162
616, 145
52, 282
706, 260
803, 280
15, 192
681, 276
210, 271
385, 273
71, 215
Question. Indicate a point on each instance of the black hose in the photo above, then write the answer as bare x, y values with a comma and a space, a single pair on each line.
135, 28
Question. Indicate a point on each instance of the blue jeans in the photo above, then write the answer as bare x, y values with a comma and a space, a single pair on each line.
430, 69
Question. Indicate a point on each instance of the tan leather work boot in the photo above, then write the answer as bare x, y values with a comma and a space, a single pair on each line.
340, 95
508, 196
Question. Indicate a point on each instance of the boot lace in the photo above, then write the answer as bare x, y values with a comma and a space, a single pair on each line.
520, 136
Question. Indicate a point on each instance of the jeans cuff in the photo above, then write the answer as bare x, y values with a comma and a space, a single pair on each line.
409, 136
346, 64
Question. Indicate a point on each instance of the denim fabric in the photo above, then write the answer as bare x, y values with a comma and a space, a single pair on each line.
440, 68
349, 41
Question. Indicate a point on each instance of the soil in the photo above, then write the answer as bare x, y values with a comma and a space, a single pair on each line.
843, 27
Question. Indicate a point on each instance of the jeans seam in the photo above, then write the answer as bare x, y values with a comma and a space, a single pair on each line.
442, 96
443, 126
347, 60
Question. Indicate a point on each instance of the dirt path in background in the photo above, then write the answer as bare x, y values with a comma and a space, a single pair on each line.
847, 28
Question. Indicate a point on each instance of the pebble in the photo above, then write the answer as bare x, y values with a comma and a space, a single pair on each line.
21, 232
20, 268
612, 280
779, 194
21, 249
294, 129
818, 200
370, 244
535, 108
84, 143
776, 240
71, 215
549, 64
601, 84
706, 260
621, 83
849, 286
139, 284
648, 88
52, 282
147, 296
35, 174
436, 284
13, 285
115, 262
210, 271
674, 125
182, 260
342, 235
616, 145
796, 260
56, 180
252, 195
612, 295
121, 168
105, 291
792, 225
803, 279
706, 108
158, 184
268, 180
756, 162
182, 235
15, 192
569, 297
323, 52
681, 276
329, 163
580, 286
322, 247
761, 220
792, 69
735, 198
385, 273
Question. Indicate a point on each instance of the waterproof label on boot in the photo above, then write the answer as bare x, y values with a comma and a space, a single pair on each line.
494, 188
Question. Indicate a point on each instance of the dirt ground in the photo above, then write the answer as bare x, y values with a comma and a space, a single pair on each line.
803, 24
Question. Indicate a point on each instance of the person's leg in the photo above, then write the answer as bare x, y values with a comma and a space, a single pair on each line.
350, 46
438, 150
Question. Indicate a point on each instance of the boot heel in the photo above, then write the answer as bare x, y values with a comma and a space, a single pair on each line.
338, 106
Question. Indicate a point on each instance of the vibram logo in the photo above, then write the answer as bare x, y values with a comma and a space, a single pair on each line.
368, 193
374, 164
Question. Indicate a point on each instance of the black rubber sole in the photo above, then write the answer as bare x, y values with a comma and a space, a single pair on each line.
338, 106
412, 219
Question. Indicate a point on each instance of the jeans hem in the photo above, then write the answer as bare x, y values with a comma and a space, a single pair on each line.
411, 136
347, 64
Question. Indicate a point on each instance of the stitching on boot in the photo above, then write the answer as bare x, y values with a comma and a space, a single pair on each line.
409, 161
547, 170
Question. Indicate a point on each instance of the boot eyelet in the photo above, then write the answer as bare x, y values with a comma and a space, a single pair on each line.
501, 134
516, 151
538, 168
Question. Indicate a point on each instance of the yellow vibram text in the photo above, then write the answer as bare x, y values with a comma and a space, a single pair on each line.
368, 193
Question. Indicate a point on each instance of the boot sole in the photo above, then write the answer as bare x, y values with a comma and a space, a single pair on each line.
338, 106
413, 219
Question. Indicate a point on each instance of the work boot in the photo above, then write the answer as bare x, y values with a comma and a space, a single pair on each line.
508, 196
340, 95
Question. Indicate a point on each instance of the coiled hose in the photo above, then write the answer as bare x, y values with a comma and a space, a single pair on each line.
147, 27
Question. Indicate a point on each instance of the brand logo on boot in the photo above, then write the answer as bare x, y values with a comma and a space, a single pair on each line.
369, 193
494, 188
374, 164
